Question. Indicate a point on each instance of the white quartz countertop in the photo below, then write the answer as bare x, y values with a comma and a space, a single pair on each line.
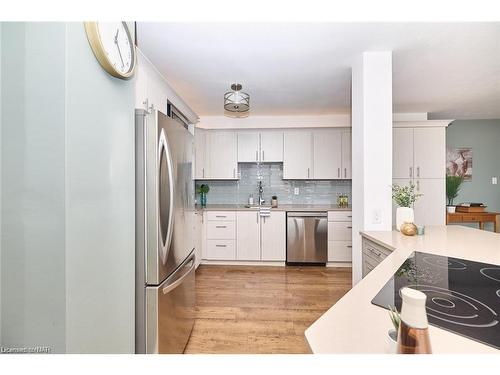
281, 207
355, 325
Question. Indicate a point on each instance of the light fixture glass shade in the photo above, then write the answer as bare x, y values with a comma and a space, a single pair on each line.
236, 100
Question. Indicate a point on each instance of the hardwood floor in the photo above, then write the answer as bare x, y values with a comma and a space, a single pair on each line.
259, 309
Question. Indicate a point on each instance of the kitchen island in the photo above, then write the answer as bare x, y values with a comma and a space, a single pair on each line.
355, 325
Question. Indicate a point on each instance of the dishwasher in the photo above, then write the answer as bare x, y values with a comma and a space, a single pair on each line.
306, 238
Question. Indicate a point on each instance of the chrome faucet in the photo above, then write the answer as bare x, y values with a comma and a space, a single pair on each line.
261, 201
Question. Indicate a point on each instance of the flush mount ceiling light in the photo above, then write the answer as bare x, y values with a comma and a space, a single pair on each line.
236, 100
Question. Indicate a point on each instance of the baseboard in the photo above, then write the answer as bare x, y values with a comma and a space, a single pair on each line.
339, 264
242, 263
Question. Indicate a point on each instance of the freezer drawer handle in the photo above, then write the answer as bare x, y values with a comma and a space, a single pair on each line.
220, 245
179, 281
221, 226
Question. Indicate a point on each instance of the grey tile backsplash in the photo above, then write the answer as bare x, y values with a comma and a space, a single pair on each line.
271, 174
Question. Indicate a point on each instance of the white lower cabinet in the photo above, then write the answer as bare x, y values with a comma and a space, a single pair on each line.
273, 236
340, 236
244, 235
221, 249
248, 235
430, 208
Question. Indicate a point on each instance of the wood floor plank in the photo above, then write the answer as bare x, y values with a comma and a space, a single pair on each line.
259, 309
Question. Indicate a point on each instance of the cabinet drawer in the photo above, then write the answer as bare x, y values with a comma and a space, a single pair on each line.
372, 259
221, 215
339, 251
339, 231
339, 215
221, 230
221, 249
471, 217
373, 248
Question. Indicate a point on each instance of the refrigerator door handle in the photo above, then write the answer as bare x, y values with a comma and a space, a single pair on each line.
178, 281
163, 148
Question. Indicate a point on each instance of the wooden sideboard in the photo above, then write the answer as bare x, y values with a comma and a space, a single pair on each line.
475, 217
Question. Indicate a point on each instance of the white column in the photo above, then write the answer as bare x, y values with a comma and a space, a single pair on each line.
371, 148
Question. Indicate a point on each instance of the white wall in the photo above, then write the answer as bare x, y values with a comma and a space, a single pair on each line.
371, 148
151, 85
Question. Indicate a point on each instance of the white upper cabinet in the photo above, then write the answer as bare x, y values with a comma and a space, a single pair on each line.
271, 146
248, 147
402, 153
297, 155
248, 235
327, 154
273, 232
429, 153
223, 155
346, 155
201, 155
264, 147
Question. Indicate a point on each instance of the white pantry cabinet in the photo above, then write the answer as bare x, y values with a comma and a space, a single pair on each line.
273, 236
327, 151
430, 207
429, 152
297, 155
248, 235
402, 152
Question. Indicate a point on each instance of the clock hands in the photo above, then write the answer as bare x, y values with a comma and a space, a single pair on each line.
117, 46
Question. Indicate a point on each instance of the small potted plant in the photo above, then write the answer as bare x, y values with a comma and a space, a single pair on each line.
453, 184
203, 189
393, 333
404, 197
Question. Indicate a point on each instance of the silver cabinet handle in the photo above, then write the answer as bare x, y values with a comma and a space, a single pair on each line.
221, 226
418, 171
220, 245
338, 172
345, 172
234, 172
411, 172
308, 173
263, 157
220, 216
376, 253
203, 172
418, 185
350, 227
349, 215
349, 246
256, 155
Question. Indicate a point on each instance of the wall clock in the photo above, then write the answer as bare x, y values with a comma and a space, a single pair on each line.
113, 47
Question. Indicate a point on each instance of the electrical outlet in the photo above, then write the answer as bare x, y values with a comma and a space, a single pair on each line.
296, 191
494, 180
377, 217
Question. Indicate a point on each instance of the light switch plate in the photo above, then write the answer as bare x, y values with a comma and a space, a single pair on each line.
377, 219
296, 191
494, 180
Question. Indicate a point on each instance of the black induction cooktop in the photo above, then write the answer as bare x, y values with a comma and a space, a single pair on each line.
462, 296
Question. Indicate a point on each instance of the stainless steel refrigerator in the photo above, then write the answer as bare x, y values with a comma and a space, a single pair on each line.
165, 257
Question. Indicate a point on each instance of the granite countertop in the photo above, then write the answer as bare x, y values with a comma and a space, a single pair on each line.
281, 207
355, 325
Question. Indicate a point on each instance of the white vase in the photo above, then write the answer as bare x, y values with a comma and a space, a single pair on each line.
451, 209
404, 215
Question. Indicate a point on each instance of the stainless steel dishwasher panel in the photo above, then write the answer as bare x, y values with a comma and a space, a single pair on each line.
307, 238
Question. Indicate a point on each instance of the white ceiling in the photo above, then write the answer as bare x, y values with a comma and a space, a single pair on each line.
451, 70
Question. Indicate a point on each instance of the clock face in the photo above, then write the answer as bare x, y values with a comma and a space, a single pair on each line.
117, 45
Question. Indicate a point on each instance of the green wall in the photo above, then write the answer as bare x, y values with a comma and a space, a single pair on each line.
67, 194
483, 136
